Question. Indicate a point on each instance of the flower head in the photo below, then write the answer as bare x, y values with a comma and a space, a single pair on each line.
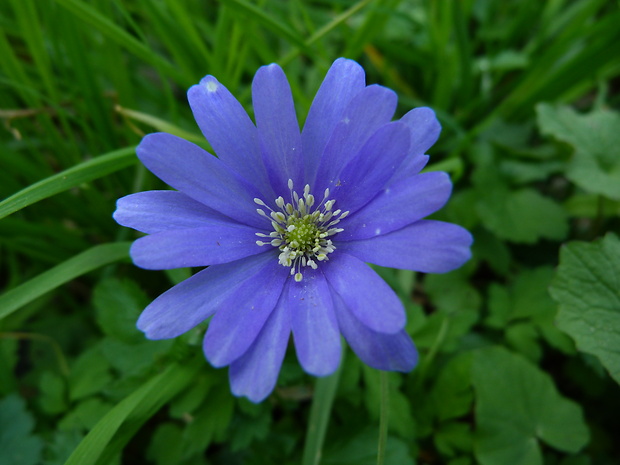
285, 221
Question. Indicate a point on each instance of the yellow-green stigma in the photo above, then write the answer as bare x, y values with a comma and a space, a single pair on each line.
300, 230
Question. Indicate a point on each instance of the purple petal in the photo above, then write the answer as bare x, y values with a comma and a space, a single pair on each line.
156, 211
390, 352
194, 300
428, 246
343, 81
424, 127
229, 130
397, 206
368, 297
370, 109
255, 373
278, 130
315, 329
200, 175
207, 245
242, 315
372, 168
411, 165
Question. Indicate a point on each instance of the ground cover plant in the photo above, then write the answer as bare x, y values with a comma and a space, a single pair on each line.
518, 348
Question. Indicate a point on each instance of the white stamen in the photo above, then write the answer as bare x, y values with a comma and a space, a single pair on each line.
301, 229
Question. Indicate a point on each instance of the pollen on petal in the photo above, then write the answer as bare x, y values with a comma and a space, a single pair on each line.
212, 86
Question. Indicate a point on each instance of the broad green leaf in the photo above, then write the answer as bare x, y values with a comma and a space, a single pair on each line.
400, 415
452, 291
118, 305
89, 374
451, 396
247, 430
453, 438
84, 172
52, 393
211, 420
84, 416
114, 430
595, 137
522, 216
166, 446
517, 406
78, 265
136, 358
587, 287
362, 450
525, 298
18, 446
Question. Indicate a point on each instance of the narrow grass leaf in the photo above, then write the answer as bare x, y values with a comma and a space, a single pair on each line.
115, 429
84, 172
78, 265
320, 412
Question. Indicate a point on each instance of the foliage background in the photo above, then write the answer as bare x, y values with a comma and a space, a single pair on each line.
519, 357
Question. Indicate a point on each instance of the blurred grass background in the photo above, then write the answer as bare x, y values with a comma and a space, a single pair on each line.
82, 81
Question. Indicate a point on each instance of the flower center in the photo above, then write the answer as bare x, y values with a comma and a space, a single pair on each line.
301, 230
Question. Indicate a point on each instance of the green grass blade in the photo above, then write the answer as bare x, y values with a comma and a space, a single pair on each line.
84, 172
90, 16
267, 20
115, 429
78, 265
324, 393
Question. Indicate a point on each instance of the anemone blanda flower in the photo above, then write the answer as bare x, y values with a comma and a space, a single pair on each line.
285, 221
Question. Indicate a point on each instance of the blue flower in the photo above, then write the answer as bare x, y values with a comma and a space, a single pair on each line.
286, 220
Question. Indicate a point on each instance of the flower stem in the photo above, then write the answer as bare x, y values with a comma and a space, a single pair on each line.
324, 393
383, 418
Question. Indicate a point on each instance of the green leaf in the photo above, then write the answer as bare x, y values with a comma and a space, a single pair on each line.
453, 438
114, 430
320, 413
522, 216
18, 446
166, 446
595, 138
587, 287
73, 177
400, 413
517, 405
78, 265
118, 305
362, 450
84, 416
451, 395
94, 19
52, 398
89, 374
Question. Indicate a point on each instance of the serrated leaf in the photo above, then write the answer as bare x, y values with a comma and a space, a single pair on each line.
517, 406
18, 446
587, 287
595, 138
